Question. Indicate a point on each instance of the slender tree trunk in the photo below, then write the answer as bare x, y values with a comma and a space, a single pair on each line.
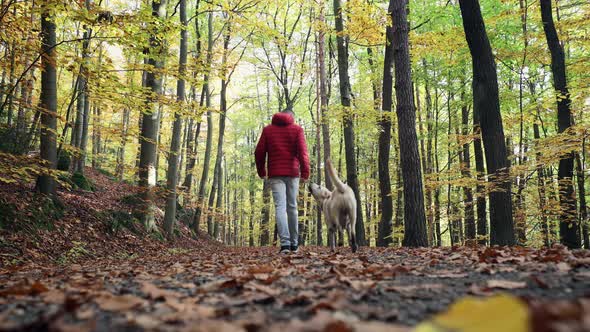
429, 159
386, 202
208, 147
470, 229
217, 172
251, 192
149, 123
322, 118
194, 139
569, 227
83, 113
173, 158
486, 102
451, 209
324, 86
265, 222
414, 217
48, 101
317, 147
582, 194
349, 142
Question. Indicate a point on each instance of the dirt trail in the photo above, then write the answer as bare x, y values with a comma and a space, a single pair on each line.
256, 289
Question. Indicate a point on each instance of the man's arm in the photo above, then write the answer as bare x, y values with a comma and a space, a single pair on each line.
302, 154
260, 155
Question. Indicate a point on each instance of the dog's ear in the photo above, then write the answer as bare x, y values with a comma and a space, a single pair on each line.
326, 194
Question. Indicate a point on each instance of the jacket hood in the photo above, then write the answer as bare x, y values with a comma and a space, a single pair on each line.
282, 119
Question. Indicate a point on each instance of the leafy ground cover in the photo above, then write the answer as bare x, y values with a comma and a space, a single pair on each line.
256, 289
80, 275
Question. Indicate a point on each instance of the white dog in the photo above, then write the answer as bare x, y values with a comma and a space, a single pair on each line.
338, 206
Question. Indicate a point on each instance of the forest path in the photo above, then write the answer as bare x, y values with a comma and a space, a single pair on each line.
257, 289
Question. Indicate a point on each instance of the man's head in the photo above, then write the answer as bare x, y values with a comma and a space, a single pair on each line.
289, 110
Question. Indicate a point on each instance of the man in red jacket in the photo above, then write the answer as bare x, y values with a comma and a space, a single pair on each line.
282, 145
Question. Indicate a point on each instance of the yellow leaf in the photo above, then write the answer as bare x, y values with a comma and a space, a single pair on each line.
499, 313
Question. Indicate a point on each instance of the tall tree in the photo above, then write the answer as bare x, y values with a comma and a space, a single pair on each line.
414, 216
48, 100
386, 202
208, 145
569, 228
216, 189
150, 118
323, 104
470, 229
487, 103
83, 109
173, 159
345, 98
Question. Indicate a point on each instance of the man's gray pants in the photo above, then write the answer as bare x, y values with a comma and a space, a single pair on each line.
284, 191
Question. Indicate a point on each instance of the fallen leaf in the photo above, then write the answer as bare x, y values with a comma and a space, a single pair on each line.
563, 267
125, 302
54, 296
154, 292
505, 284
145, 321
265, 289
25, 288
498, 313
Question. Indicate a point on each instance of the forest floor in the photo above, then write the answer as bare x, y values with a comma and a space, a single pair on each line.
81, 275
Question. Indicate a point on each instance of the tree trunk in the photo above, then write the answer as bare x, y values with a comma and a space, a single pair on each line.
83, 114
414, 217
486, 102
470, 230
386, 202
194, 139
173, 158
265, 222
349, 142
569, 227
207, 88
216, 190
323, 103
429, 159
48, 101
324, 86
582, 194
149, 123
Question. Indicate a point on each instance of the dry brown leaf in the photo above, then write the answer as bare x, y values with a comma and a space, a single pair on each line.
448, 274
145, 321
505, 284
361, 285
125, 302
154, 292
212, 326
24, 288
85, 313
563, 267
265, 289
54, 296
380, 327
217, 285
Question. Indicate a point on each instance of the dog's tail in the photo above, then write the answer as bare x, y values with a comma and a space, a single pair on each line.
334, 177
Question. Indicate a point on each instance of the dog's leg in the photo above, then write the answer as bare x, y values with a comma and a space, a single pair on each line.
332, 237
352, 233
340, 237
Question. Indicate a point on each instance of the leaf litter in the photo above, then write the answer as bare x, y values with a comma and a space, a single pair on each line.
255, 289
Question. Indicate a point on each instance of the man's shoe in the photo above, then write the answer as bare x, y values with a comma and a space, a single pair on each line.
285, 250
294, 249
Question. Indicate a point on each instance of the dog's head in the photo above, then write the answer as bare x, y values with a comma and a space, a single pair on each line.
320, 193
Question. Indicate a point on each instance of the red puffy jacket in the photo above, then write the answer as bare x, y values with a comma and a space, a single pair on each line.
284, 143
